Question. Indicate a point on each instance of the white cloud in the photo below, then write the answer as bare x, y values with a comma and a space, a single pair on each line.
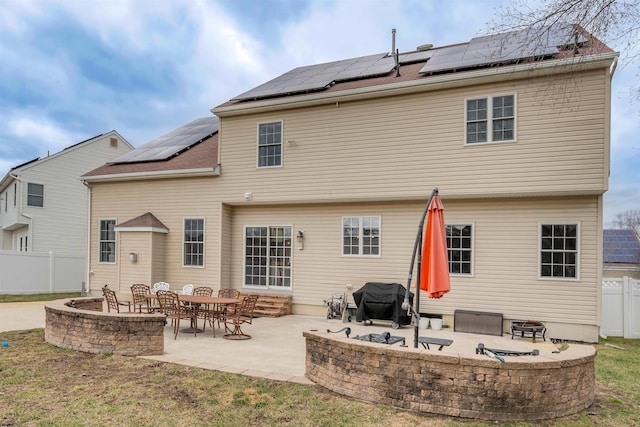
41, 132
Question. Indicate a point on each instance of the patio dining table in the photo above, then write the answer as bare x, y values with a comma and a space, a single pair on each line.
198, 301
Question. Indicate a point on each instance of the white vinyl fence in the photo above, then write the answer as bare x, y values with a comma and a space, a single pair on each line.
40, 272
621, 308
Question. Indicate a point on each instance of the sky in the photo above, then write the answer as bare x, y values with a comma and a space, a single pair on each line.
74, 69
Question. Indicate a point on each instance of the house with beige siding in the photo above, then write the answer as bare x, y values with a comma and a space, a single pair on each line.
314, 183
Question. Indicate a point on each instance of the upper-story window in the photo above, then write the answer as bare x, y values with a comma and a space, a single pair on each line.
35, 194
559, 251
460, 247
490, 119
15, 194
270, 144
193, 242
361, 235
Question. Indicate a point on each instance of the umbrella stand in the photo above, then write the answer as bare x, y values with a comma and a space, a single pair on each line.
417, 250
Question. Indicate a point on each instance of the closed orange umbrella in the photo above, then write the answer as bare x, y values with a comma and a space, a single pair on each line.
434, 268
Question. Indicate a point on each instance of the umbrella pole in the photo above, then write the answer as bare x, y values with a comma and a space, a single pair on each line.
417, 249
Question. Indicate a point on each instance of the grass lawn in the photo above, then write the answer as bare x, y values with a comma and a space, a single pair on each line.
42, 385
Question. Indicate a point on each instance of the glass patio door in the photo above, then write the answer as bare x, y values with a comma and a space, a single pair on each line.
268, 256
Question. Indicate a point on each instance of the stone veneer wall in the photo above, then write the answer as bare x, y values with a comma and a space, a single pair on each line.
450, 384
80, 324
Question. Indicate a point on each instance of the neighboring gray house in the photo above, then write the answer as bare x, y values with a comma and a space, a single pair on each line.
43, 202
621, 254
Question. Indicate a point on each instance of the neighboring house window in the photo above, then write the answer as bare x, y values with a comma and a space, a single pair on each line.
459, 245
193, 242
559, 250
107, 240
15, 194
361, 235
268, 256
270, 144
490, 119
35, 194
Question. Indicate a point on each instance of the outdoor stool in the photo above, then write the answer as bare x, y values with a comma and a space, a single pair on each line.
425, 341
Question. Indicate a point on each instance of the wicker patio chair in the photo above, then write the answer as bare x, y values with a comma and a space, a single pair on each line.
112, 300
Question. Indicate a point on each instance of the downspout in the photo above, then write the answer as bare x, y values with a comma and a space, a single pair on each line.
85, 285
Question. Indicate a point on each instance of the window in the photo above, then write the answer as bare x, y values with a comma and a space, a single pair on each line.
107, 240
268, 256
559, 250
15, 194
490, 119
270, 144
193, 242
459, 244
361, 235
35, 194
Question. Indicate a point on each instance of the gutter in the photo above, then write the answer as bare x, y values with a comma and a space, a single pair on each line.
443, 81
178, 173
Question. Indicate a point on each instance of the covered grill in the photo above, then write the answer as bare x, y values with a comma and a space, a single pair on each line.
382, 301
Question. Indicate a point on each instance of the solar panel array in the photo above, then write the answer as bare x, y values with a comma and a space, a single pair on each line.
316, 77
505, 47
173, 142
621, 246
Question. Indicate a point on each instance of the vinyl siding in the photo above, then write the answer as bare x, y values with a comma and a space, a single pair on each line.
389, 148
60, 225
170, 201
505, 254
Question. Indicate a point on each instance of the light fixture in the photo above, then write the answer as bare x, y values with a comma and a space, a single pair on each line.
133, 257
300, 239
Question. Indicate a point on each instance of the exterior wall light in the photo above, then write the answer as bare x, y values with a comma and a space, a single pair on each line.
300, 239
133, 257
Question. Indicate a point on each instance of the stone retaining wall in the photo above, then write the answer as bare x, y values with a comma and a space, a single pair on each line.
80, 324
530, 389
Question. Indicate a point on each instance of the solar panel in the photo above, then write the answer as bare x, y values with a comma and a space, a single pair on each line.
504, 47
317, 77
620, 246
173, 142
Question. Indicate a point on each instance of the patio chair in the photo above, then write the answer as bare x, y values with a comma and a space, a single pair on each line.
242, 316
227, 293
203, 312
140, 299
160, 286
112, 300
170, 305
186, 290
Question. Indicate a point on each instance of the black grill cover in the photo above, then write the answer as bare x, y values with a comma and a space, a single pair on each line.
382, 301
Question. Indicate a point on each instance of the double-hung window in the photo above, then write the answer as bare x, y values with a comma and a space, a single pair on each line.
270, 144
361, 235
559, 251
490, 119
35, 194
459, 247
268, 256
193, 244
107, 240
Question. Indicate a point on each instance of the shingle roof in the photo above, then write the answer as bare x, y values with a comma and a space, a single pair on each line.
144, 220
374, 70
198, 154
621, 247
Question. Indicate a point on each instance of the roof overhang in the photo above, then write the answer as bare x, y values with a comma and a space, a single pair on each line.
145, 229
428, 83
165, 174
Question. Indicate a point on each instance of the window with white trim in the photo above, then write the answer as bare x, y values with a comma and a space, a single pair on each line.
490, 119
35, 194
270, 144
107, 241
559, 251
459, 247
193, 242
267, 252
361, 235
